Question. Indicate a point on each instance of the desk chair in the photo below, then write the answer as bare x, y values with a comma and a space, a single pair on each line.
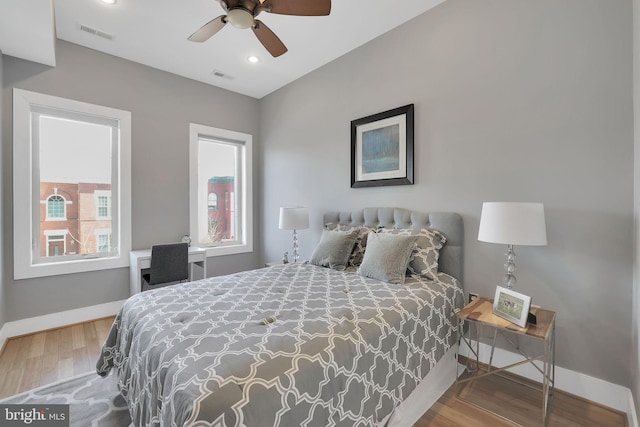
169, 264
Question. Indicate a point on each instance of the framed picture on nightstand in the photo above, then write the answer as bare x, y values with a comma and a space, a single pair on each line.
511, 305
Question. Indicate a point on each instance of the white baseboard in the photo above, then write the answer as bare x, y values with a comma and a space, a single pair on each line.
596, 390
56, 320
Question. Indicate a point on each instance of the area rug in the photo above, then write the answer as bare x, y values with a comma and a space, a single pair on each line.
93, 401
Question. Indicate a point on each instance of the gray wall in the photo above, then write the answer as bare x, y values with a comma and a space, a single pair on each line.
635, 326
162, 106
514, 101
2, 269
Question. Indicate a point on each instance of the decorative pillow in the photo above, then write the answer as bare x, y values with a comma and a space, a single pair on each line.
361, 242
425, 258
334, 249
387, 256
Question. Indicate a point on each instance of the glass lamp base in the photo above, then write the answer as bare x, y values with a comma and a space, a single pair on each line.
295, 245
509, 278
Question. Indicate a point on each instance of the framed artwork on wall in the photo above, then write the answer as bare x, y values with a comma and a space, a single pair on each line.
382, 149
511, 305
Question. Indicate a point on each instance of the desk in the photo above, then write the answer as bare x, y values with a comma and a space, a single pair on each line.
479, 312
141, 260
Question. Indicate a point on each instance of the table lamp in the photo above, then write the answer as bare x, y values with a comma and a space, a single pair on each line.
512, 224
294, 218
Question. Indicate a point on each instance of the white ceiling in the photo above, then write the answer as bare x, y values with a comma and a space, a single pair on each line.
154, 33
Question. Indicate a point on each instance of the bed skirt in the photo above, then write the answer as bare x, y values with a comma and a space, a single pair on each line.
430, 389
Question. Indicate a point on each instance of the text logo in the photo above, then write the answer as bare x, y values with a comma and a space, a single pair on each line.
34, 415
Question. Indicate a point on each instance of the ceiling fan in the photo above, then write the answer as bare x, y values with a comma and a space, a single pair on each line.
242, 14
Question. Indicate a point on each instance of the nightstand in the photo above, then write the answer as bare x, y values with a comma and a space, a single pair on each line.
479, 313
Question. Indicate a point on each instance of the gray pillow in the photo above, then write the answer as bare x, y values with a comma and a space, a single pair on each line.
361, 242
387, 256
334, 249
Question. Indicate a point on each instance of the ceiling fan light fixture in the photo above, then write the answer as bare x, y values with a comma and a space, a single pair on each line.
240, 18
253, 59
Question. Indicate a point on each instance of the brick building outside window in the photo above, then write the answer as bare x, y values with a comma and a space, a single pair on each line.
75, 218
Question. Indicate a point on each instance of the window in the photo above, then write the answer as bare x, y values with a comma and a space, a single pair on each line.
104, 243
220, 162
213, 201
72, 186
103, 204
55, 207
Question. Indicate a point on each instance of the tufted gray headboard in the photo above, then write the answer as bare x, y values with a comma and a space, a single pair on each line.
449, 223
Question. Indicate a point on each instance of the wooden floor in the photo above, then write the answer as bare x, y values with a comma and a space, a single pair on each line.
38, 359
518, 403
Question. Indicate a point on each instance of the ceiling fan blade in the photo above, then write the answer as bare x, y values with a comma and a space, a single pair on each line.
298, 7
269, 40
209, 29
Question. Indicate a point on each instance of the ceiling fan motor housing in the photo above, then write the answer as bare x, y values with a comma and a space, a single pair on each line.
240, 18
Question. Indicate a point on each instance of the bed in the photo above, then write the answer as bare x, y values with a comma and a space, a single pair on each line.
295, 344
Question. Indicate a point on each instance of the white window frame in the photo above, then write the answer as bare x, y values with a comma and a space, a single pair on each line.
245, 206
25, 243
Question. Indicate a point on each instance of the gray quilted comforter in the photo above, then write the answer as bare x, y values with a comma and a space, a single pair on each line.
290, 345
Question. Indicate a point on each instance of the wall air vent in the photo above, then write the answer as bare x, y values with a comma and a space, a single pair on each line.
221, 75
96, 32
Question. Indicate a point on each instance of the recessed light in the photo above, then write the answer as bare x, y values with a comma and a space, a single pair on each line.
108, 1
253, 59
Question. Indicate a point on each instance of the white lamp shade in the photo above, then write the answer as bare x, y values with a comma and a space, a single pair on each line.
294, 218
513, 223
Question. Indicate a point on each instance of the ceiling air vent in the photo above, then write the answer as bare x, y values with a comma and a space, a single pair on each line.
221, 75
96, 32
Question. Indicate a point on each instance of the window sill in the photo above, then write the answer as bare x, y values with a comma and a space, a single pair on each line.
28, 271
213, 251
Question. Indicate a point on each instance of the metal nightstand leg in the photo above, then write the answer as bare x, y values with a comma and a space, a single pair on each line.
549, 374
548, 368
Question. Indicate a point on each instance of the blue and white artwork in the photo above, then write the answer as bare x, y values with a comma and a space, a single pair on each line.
381, 149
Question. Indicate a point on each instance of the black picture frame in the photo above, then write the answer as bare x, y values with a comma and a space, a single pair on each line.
390, 132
